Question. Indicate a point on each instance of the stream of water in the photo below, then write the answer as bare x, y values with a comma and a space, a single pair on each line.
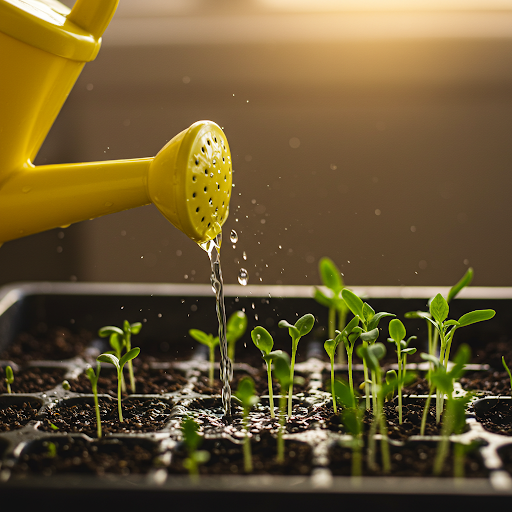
212, 247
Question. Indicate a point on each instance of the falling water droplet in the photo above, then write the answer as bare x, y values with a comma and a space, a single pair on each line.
243, 277
244, 255
233, 236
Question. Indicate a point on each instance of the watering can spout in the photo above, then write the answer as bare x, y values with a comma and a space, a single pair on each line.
43, 48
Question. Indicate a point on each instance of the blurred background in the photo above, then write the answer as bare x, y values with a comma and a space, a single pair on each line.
371, 132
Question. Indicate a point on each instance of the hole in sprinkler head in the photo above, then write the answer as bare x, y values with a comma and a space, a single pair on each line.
206, 172
225, 178
222, 203
223, 160
216, 209
214, 161
208, 142
202, 149
215, 139
218, 186
197, 162
202, 220
197, 209
205, 189
209, 224
193, 178
193, 194
210, 201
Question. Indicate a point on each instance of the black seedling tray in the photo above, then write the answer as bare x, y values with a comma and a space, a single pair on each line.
155, 475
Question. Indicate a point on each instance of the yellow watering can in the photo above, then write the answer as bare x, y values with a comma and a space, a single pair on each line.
43, 48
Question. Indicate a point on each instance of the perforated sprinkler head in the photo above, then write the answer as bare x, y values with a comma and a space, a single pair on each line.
190, 181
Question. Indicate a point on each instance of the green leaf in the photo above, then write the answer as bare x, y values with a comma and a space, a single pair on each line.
109, 358
330, 275
262, 339
330, 347
343, 394
201, 456
415, 314
354, 303
507, 369
451, 322
408, 351
305, 323
191, 438
397, 330
476, 316
108, 330
465, 281
378, 349
132, 354
368, 312
372, 354
202, 337
236, 326
430, 358
246, 393
439, 308
135, 328
322, 299
292, 330
352, 421
377, 318
126, 326
9, 375
281, 362
117, 342
370, 336
350, 326
356, 332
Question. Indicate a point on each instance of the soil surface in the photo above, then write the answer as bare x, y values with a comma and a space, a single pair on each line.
147, 381
498, 418
14, 416
56, 344
79, 416
226, 458
77, 455
33, 379
413, 459
491, 382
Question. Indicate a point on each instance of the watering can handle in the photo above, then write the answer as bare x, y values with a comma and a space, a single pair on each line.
93, 15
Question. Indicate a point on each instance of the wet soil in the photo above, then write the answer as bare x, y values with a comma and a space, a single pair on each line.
413, 459
147, 381
491, 382
79, 416
226, 458
55, 344
498, 418
77, 455
14, 416
33, 379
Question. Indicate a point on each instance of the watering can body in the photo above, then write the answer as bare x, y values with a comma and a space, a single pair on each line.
43, 48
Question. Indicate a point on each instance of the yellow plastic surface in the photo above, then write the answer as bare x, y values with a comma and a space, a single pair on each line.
189, 180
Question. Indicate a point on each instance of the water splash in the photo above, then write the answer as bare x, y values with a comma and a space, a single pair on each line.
233, 236
212, 247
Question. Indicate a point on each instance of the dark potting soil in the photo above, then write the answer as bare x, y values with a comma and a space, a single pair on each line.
226, 458
413, 459
16, 415
498, 418
147, 381
77, 455
505, 453
490, 352
78, 416
492, 382
301, 384
55, 344
33, 379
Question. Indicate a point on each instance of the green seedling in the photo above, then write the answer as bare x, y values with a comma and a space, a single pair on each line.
391, 378
433, 334
246, 395
281, 361
119, 364
93, 378
446, 328
352, 418
125, 335
454, 418
349, 336
302, 327
370, 328
507, 369
65, 385
332, 279
192, 440
434, 367
118, 343
211, 342
9, 378
397, 332
264, 341
235, 329
53, 427
51, 450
